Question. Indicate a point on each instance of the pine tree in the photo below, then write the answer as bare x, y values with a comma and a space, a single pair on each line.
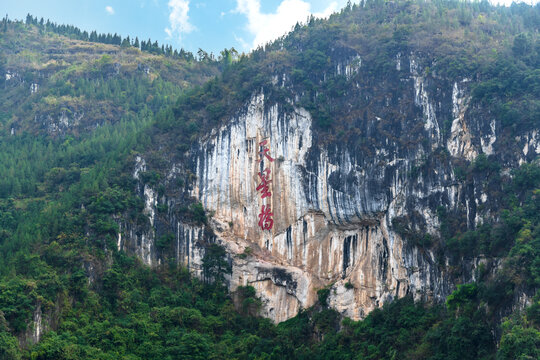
126, 42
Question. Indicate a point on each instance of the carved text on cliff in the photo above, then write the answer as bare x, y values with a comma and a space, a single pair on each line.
265, 217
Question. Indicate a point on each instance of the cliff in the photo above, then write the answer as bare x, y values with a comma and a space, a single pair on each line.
344, 158
381, 164
336, 209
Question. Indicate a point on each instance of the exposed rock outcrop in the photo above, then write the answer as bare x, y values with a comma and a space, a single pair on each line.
336, 210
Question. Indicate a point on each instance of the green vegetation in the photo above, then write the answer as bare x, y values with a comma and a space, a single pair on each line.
520, 209
82, 86
76, 33
63, 188
498, 46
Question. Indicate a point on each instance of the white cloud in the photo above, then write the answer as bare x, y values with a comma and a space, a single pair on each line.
267, 27
109, 9
244, 45
179, 19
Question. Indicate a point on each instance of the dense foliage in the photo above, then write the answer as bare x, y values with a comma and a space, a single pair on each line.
61, 192
76, 33
136, 312
498, 46
84, 103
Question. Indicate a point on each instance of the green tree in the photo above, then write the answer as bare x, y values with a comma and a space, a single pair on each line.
519, 342
9, 349
194, 346
215, 264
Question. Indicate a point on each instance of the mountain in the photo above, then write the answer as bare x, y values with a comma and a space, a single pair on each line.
57, 83
387, 150
60, 87
369, 182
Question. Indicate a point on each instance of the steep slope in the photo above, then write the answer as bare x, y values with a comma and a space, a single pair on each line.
379, 141
62, 85
71, 114
57, 90
404, 140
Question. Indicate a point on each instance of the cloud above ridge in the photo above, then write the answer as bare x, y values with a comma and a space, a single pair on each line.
178, 19
268, 27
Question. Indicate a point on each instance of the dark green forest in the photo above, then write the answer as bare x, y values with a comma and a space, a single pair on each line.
62, 191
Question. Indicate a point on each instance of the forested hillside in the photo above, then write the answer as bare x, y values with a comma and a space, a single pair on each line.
57, 90
78, 111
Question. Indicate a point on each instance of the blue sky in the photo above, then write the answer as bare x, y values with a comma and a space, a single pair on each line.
192, 24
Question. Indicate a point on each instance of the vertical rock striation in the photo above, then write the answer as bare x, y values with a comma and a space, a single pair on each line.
337, 209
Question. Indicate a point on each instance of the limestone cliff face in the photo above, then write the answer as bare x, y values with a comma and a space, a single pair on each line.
333, 212
336, 209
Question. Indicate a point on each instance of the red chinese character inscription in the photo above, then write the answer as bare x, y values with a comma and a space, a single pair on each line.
264, 151
265, 218
264, 186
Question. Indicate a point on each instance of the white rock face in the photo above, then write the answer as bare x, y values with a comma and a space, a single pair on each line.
334, 209
37, 325
119, 240
421, 98
60, 124
150, 203
488, 141
322, 234
142, 242
228, 173
140, 166
460, 143
350, 67
11, 75
532, 143
188, 253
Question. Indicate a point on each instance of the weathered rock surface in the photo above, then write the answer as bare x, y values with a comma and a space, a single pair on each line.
335, 208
